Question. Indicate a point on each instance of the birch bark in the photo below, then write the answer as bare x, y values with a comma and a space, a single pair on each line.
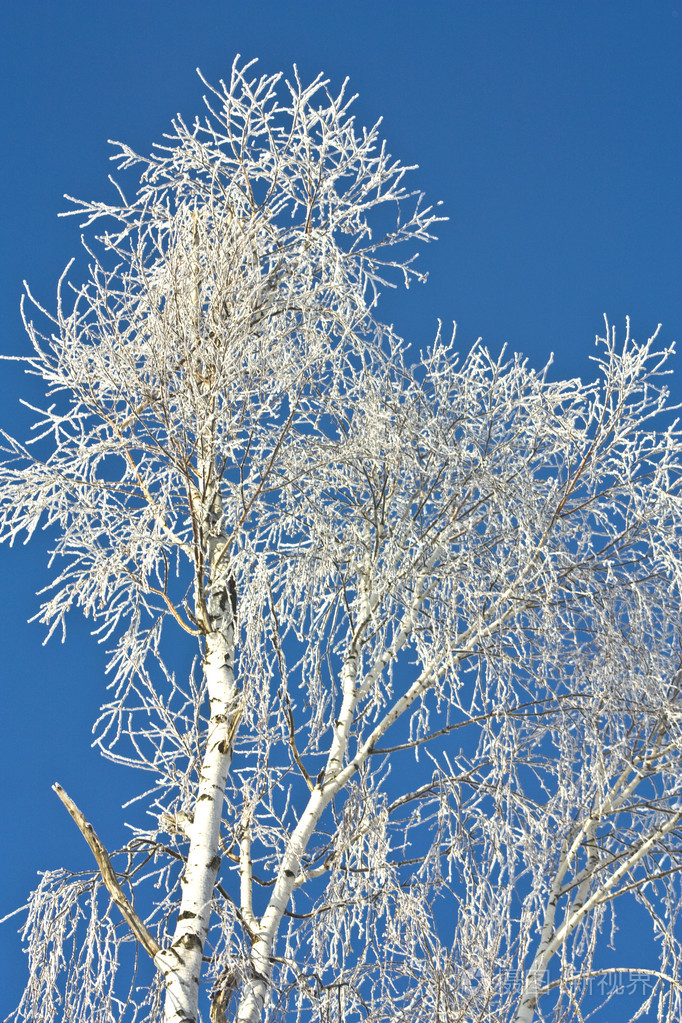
181, 963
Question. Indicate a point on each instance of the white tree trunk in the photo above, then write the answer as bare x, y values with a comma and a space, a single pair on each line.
552, 938
181, 963
255, 990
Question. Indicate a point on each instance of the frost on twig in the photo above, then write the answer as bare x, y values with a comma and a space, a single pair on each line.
78, 957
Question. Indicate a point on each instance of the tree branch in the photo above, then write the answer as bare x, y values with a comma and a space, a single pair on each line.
108, 875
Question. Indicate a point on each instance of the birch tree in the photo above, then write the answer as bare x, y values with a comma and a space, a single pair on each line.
396, 638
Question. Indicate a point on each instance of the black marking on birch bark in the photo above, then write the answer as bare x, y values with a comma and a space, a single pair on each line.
189, 941
186, 914
177, 956
217, 603
213, 863
223, 746
205, 795
232, 594
289, 873
222, 603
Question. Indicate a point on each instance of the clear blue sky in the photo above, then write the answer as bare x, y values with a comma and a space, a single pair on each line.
550, 129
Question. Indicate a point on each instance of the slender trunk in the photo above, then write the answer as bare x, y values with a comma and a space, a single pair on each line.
181, 963
255, 990
551, 939
329, 784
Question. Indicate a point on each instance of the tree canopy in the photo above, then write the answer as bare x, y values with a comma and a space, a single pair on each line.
395, 638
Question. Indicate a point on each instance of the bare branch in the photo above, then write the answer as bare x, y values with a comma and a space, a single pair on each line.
108, 875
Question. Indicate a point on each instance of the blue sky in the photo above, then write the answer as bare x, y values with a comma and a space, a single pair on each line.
550, 130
